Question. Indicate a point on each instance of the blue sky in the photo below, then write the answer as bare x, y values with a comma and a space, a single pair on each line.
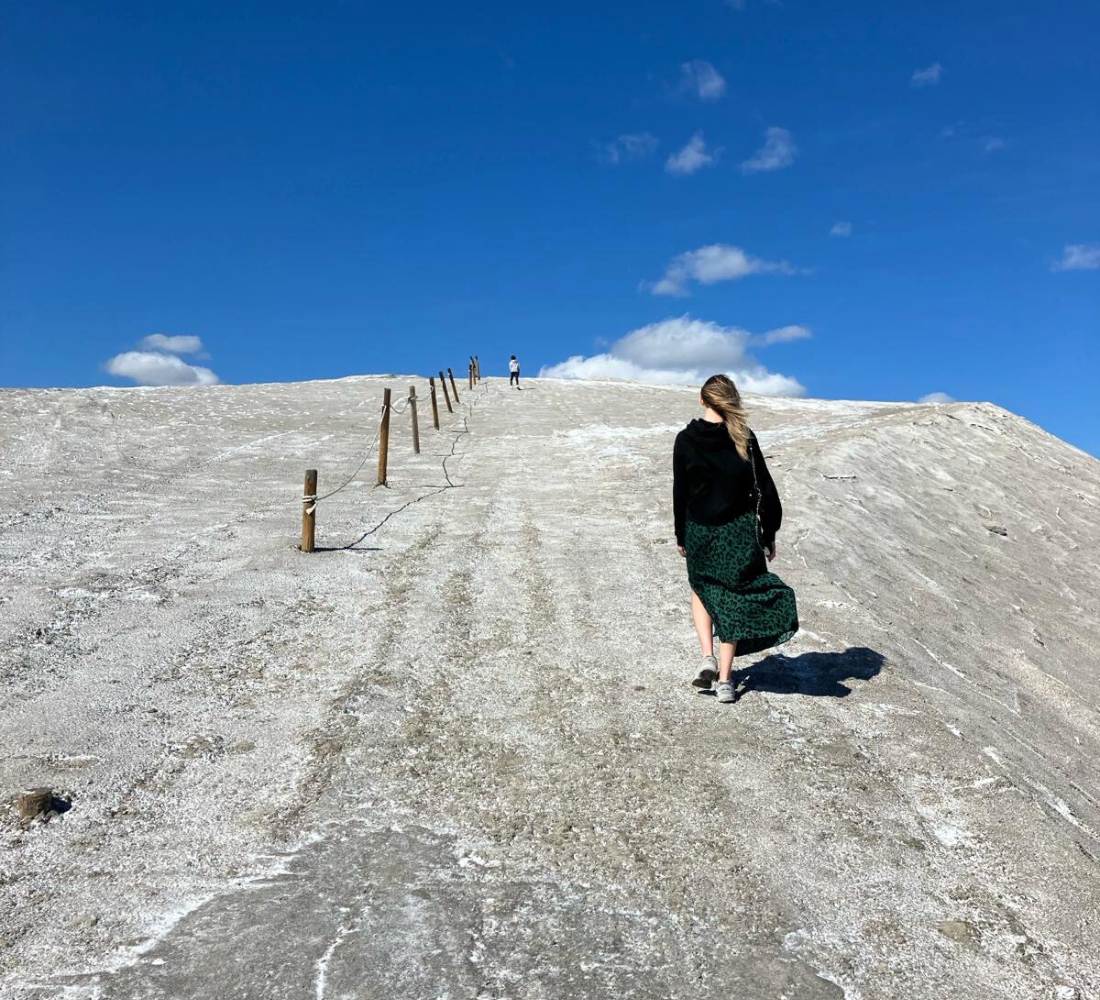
319, 190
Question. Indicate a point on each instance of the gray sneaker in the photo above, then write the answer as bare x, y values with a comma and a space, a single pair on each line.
725, 692
708, 670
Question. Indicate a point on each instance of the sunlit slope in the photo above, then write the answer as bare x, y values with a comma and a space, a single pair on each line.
463, 752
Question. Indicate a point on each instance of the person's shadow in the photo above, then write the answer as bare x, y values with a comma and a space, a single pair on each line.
818, 674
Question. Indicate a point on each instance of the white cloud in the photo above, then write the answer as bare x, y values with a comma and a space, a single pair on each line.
936, 397
993, 143
629, 146
154, 368
841, 229
173, 344
1078, 257
927, 77
783, 335
679, 351
694, 156
157, 362
711, 264
777, 152
700, 78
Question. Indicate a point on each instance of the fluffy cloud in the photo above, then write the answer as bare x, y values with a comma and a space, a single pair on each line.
927, 77
173, 344
630, 146
711, 264
157, 363
936, 397
153, 368
777, 152
700, 78
694, 156
1078, 257
841, 229
783, 335
680, 351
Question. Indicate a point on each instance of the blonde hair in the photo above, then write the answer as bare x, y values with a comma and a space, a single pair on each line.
721, 395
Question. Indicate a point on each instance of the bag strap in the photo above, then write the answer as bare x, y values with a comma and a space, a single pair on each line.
756, 492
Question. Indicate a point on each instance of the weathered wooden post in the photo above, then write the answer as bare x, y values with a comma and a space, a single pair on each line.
435, 404
477, 368
454, 388
470, 375
384, 438
34, 802
309, 510
446, 395
416, 426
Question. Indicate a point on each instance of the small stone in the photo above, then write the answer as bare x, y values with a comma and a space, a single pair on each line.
997, 529
961, 931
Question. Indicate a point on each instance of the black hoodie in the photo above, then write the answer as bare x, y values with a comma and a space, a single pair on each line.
713, 484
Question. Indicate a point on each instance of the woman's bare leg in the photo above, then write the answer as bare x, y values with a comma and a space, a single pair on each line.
726, 651
703, 626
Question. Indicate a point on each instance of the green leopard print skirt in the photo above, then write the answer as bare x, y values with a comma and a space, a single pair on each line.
727, 569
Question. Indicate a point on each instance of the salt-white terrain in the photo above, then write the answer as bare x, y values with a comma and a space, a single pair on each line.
454, 753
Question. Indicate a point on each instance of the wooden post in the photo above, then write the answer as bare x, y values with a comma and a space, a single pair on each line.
477, 368
384, 438
470, 375
416, 426
446, 395
454, 388
34, 802
309, 510
435, 404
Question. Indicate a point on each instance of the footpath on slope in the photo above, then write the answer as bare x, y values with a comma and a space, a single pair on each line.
513, 792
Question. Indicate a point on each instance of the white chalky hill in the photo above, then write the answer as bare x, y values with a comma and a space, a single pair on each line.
454, 752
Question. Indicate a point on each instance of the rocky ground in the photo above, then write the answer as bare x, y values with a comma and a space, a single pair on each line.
455, 754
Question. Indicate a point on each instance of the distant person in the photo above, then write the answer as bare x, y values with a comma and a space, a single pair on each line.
513, 371
727, 512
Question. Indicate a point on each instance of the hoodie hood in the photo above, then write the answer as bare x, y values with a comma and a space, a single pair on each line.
707, 435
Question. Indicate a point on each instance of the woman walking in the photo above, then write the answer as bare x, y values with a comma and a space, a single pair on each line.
727, 513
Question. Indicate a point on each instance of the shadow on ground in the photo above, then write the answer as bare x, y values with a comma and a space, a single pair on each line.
348, 548
819, 674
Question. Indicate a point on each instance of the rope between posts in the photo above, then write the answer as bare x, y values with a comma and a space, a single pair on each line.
313, 499
310, 500
461, 432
